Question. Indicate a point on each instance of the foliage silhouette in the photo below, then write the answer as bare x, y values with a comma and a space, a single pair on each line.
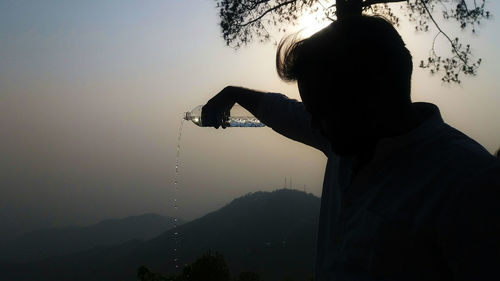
243, 21
145, 274
248, 276
209, 267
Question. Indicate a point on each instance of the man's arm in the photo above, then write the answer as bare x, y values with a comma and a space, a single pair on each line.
286, 116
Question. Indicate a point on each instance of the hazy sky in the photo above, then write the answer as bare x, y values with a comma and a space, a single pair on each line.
92, 94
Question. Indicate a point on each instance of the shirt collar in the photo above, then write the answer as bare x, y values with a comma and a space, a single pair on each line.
426, 131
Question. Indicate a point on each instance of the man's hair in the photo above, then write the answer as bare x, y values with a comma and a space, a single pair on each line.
365, 53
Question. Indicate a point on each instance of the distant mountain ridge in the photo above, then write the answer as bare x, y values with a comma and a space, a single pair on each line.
272, 233
45, 243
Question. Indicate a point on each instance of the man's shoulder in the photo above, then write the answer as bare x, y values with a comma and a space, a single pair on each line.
436, 137
443, 151
459, 141
488, 176
461, 154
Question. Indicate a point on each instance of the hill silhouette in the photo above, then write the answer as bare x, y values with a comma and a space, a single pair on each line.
272, 233
41, 244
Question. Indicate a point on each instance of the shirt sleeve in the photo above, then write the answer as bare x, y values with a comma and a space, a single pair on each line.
469, 230
289, 118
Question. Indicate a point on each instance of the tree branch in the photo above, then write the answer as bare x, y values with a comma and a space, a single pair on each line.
255, 4
442, 32
331, 6
373, 2
267, 11
325, 10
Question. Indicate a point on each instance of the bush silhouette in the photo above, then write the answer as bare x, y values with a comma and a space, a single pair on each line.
209, 267
248, 276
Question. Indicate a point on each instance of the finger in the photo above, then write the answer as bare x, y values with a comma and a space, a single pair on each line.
223, 122
227, 114
218, 120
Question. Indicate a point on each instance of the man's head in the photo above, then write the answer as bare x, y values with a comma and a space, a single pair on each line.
349, 74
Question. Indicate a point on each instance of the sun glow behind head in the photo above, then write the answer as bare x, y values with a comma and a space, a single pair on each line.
310, 23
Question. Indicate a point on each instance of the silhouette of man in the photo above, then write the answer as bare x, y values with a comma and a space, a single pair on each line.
405, 196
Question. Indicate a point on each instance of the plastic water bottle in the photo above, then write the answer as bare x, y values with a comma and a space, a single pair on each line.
239, 117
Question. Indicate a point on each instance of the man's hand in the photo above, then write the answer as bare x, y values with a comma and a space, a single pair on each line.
216, 112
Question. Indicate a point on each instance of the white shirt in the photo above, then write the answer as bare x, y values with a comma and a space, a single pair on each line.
389, 220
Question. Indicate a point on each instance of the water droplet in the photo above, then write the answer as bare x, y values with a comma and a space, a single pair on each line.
176, 189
